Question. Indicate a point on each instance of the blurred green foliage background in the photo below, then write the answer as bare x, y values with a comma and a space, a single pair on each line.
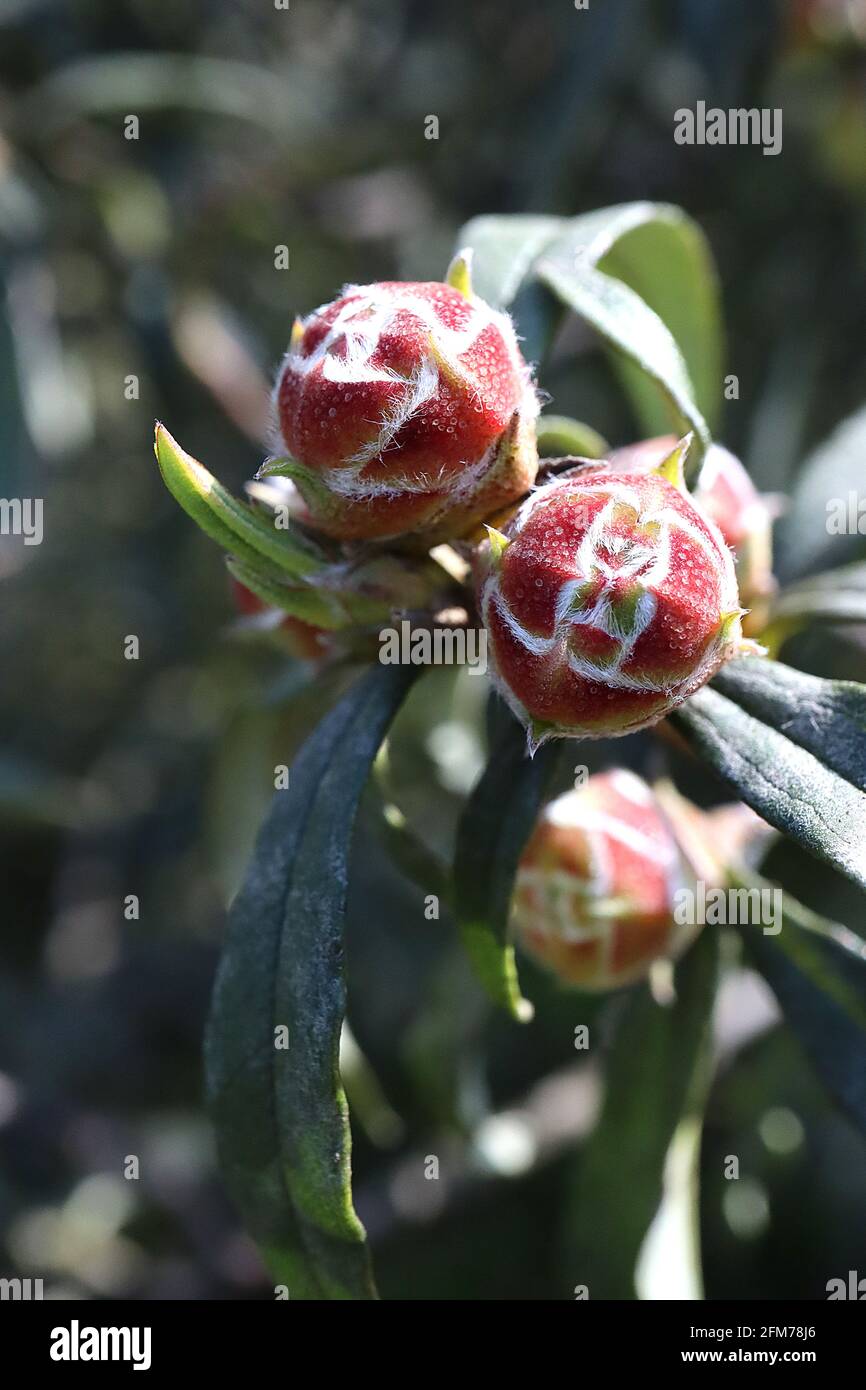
153, 258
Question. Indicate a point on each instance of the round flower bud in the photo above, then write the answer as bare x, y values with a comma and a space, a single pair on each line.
596, 894
406, 407
609, 601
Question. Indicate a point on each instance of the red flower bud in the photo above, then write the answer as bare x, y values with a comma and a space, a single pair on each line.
611, 599
595, 894
406, 407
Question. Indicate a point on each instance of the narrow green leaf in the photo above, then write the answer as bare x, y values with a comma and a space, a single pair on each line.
497, 719
309, 605
664, 256
262, 733
493, 830
280, 1113
630, 327
826, 717
230, 522
655, 1075
817, 970
784, 782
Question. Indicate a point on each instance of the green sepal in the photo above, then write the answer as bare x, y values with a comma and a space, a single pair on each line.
672, 466
459, 273
538, 731
499, 543
315, 493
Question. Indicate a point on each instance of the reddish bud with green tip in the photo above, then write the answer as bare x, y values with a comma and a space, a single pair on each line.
608, 600
405, 407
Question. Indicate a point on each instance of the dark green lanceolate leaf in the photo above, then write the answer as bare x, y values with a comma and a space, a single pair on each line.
655, 1077
260, 735
822, 525
837, 596
781, 772
280, 1113
817, 970
498, 719
494, 827
826, 717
